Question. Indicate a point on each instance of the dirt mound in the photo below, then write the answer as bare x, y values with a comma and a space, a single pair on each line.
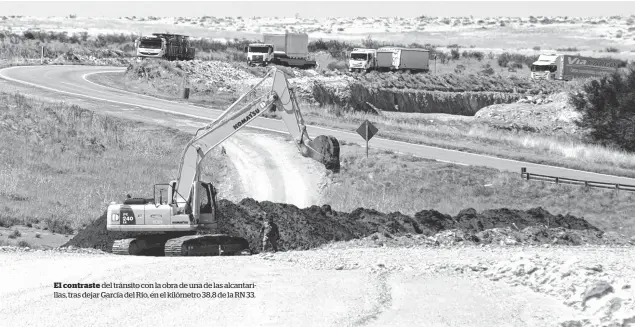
551, 114
314, 226
95, 236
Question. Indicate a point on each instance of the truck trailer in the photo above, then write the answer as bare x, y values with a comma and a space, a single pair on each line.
288, 49
566, 67
403, 59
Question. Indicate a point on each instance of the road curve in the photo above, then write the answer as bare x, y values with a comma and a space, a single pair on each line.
72, 81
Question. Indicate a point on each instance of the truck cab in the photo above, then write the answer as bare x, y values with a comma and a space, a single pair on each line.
150, 46
259, 54
362, 60
545, 67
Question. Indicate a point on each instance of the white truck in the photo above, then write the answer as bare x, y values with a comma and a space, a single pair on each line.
552, 66
362, 60
288, 49
165, 45
413, 60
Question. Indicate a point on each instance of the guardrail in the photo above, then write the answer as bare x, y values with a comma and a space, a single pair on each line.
562, 180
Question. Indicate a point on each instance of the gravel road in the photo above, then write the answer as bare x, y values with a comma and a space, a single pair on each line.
325, 287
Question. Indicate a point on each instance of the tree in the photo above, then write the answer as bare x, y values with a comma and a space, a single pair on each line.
608, 110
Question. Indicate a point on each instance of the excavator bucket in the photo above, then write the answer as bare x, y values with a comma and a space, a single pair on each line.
325, 149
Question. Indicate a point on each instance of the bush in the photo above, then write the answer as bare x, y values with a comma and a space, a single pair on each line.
16, 233
608, 108
24, 244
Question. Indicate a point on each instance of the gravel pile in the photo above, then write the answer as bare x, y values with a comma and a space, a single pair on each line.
545, 114
70, 249
603, 299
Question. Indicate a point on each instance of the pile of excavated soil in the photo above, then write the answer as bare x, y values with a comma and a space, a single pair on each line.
552, 114
312, 227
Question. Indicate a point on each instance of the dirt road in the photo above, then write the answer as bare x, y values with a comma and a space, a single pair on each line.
287, 293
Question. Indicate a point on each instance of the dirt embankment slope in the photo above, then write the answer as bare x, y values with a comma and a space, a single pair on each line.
314, 226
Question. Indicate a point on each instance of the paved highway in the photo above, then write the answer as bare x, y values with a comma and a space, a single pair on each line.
73, 81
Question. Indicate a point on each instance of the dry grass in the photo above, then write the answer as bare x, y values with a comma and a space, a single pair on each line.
390, 182
62, 165
476, 137
459, 134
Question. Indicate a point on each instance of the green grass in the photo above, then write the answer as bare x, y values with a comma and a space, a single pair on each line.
60, 166
391, 182
459, 134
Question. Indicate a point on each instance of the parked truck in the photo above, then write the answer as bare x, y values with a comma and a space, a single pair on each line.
288, 49
566, 67
165, 45
403, 59
362, 60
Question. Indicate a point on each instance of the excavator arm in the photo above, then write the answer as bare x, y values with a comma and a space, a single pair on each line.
281, 99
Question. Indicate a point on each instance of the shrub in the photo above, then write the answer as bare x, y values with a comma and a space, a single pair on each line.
612, 49
24, 244
15, 234
454, 53
487, 70
608, 108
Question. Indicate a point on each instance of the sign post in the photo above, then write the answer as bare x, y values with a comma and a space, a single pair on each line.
367, 130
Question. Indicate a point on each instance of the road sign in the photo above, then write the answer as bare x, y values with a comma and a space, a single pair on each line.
367, 130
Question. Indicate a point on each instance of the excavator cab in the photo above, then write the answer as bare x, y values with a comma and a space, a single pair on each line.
204, 212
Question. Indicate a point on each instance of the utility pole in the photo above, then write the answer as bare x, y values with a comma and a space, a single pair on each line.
42, 56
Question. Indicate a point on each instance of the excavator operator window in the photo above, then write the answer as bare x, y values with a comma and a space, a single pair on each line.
206, 201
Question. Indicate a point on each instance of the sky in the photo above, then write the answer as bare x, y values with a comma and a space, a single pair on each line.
317, 9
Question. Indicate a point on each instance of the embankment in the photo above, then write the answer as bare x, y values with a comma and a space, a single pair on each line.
427, 93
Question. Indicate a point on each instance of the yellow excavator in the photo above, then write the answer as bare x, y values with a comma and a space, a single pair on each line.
184, 222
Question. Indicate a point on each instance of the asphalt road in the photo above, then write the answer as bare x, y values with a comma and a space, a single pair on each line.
72, 81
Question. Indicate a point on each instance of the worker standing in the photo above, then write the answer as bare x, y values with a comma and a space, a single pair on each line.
270, 232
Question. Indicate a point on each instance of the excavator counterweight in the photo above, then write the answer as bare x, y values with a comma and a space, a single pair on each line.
185, 221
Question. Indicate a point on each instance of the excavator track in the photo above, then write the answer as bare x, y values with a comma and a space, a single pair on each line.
152, 245
205, 245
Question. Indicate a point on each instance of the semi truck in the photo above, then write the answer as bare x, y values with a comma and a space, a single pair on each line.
362, 60
288, 49
165, 45
403, 59
552, 66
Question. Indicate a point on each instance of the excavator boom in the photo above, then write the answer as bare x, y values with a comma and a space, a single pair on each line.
191, 206
280, 98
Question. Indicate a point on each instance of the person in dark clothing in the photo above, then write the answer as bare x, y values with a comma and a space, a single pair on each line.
270, 233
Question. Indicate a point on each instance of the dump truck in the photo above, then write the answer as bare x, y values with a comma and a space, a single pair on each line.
362, 60
403, 59
288, 49
165, 45
554, 66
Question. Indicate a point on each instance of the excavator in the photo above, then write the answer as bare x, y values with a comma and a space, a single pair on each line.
184, 222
